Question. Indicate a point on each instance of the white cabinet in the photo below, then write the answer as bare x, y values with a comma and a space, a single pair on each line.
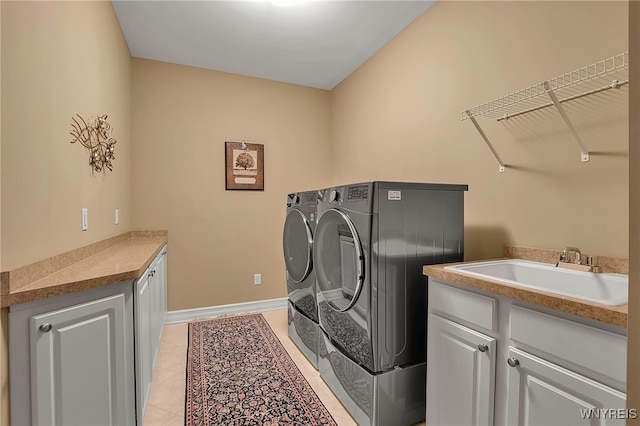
543, 393
87, 358
159, 299
561, 371
461, 372
150, 313
144, 360
494, 360
76, 366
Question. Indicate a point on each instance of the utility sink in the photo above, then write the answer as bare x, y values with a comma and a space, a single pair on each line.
604, 288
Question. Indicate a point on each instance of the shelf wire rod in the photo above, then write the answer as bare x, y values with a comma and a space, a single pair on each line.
579, 76
486, 139
584, 157
614, 85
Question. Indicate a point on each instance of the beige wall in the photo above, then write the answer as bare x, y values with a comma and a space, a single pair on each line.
399, 115
633, 328
60, 59
4, 362
218, 239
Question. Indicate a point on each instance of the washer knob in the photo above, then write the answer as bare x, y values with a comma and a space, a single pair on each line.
296, 199
334, 195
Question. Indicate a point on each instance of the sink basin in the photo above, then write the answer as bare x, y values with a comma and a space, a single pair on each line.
605, 288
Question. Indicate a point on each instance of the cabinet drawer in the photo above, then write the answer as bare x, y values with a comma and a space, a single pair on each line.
598, 350
462, 305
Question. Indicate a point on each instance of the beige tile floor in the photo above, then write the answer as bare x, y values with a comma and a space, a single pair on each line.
167, 398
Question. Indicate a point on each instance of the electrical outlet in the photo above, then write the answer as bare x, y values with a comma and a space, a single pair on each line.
117, 216
85, 219
257, 279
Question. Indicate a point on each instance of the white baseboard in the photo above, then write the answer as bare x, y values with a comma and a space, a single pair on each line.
186, 315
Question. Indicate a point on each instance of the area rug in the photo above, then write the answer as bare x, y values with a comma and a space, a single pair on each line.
238, 373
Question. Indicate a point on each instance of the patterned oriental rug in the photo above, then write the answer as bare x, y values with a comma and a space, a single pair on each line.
238, 373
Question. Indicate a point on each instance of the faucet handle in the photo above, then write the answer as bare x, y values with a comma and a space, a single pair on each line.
567, 251
591, 262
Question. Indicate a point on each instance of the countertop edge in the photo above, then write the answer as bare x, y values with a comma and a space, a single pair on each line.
613, 315
25, 294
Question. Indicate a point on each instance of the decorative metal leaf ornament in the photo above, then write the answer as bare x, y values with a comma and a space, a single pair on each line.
95, 135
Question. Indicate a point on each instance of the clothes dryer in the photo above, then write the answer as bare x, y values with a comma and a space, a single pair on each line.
301, 281
370, 244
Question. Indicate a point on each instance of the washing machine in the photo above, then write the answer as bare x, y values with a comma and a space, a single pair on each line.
301, 281
370, 243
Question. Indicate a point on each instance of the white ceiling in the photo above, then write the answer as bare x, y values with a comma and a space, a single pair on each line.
316, 43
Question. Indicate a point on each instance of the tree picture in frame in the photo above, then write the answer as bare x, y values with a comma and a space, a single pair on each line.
244, 166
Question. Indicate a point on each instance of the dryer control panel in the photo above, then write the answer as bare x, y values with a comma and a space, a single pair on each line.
305, 200
360, 192
356, 197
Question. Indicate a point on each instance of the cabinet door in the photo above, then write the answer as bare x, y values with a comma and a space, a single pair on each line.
144, 366
460, 374
162, 273
158, 289
543, 393
150, 312
78, 364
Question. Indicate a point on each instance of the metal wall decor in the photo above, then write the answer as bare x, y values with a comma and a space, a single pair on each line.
244, 165
95, 135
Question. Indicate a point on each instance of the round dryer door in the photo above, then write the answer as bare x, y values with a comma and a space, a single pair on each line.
338, 259
297, 243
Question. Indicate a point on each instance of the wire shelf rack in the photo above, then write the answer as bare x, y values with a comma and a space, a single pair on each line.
603, 75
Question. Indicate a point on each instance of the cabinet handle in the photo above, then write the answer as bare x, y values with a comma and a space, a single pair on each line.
482, 347
513, 362
46, 327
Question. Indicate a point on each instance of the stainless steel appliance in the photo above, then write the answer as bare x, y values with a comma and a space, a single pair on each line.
301, 280
370, 243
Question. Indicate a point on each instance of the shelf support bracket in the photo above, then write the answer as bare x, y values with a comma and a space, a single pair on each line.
486, 139
584, 154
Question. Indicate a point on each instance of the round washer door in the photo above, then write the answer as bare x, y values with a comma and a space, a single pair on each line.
338, 259
297, 243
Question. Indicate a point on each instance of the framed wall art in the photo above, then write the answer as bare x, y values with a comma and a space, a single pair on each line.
244, 166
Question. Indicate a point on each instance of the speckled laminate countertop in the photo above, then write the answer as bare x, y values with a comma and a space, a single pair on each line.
614, 315
117, 259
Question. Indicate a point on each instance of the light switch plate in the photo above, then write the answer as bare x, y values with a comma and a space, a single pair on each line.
257, 279
85, 219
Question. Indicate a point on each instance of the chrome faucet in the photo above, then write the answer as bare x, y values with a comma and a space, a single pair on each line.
565, 262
